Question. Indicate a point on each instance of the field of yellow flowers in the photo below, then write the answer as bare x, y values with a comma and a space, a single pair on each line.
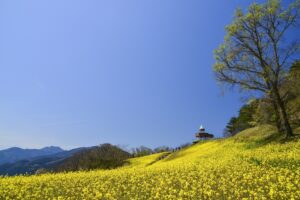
242, 167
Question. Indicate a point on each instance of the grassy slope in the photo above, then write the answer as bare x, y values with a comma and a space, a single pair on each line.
145, 160
254, 139
256, 164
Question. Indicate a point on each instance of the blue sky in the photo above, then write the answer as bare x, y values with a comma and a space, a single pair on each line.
135, 72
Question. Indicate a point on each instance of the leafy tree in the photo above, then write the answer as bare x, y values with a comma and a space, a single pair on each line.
256, 56
293, 86
141, 151
243, 121
264, 113
230, 129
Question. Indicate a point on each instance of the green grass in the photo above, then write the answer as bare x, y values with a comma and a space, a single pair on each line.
250, 139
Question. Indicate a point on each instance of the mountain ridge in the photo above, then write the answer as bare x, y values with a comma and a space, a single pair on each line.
14, 154
105, 156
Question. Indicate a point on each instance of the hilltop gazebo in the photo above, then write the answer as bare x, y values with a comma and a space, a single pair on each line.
202, 135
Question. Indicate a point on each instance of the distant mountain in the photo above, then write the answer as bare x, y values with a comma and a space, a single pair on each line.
105, 156
14, 154
31, 165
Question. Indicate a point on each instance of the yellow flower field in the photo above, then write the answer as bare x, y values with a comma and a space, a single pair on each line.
219, 169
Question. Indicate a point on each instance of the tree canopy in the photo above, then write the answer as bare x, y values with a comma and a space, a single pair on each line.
256, 54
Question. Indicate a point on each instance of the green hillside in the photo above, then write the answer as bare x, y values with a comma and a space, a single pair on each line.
254, 140
255, 164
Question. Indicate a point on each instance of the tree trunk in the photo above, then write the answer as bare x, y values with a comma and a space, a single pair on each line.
281, 106
277, 117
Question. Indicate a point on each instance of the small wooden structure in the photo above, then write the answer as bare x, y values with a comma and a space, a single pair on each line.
202, 135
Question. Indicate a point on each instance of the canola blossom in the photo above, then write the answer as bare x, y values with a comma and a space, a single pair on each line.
217, 169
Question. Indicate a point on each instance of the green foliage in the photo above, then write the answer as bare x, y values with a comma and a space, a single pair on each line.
264, 113
261, 111
294, 94
255, 55
243, 121
231, 127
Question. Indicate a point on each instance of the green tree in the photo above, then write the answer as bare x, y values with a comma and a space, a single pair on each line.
244, 119
230, 129
293, 86
264, 113
255, 54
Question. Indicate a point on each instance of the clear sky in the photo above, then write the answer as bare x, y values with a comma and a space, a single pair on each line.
132, 72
